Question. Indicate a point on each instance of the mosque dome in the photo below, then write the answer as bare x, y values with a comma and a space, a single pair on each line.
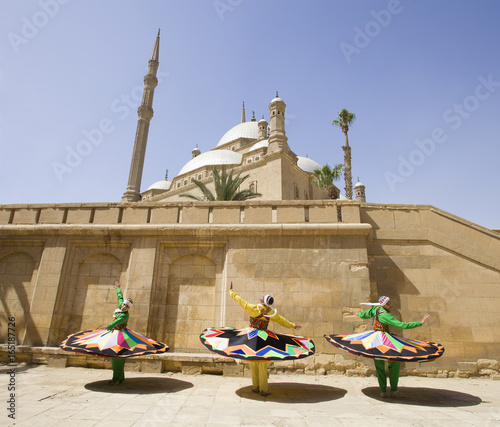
260, 144
243, 130
307, 164
160, 185
212, 158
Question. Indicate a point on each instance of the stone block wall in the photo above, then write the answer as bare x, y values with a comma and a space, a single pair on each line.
58, 264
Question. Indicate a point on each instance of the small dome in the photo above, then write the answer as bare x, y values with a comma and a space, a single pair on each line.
243, 130
277, 99
307, 164
160, 185
260, 144
359, 184
212, 158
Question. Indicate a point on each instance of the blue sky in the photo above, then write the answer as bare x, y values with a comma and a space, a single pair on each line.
423, 78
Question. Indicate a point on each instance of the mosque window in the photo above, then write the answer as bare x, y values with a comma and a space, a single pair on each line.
296, 192
185, 182
249, 161
257, 158
199, 177
178, 185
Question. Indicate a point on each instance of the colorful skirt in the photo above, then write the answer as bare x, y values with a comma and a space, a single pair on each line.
114, 343
384, 346
254, 344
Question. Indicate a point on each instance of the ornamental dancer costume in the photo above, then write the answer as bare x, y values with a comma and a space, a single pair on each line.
114, 340
382, 346
256, 343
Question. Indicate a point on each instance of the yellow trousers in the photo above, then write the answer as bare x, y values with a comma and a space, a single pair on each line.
259, 375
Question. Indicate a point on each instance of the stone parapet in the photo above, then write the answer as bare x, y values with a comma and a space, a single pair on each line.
253, 212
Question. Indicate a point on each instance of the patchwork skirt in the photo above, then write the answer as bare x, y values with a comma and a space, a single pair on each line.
115, 343
255, 344
385, 346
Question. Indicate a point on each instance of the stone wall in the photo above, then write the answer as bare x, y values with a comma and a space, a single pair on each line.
319, 259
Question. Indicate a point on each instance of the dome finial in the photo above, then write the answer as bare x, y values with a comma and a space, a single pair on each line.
166, 175
277, 96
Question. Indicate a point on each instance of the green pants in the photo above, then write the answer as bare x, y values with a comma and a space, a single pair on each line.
259, 375
118, 365
393, 368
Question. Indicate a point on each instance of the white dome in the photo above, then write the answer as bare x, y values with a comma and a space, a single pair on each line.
243, 130
307, 165
212, 158
160, 185
359, 184
260, 144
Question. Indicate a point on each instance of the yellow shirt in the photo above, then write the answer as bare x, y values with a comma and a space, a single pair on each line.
253, 310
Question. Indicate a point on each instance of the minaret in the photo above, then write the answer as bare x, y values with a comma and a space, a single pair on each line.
145, 113
359, 191
262, 128
243, 120
277, 136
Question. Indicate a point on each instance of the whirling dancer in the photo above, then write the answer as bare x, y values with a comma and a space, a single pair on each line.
382, 346
114, 340
256, 343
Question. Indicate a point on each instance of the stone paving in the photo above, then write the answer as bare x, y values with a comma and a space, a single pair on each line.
47, 396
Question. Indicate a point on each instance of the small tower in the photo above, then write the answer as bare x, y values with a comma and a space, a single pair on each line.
359, 192
262, 129
145, 113
196, 151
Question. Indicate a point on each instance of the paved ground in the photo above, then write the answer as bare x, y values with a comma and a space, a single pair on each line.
82, 397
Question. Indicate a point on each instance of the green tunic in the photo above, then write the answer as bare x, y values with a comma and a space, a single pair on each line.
122, 317
387, 318
118, 364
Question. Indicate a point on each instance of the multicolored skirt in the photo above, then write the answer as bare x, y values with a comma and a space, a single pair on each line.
384, 346
114, 343
255, 344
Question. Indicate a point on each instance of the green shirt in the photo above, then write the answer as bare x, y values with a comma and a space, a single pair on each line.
122, 317
385, 317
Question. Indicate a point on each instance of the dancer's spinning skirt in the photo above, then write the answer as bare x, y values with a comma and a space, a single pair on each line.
254, 344
114, 343
384, 346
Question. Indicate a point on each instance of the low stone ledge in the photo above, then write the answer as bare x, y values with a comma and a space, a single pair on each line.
208, 363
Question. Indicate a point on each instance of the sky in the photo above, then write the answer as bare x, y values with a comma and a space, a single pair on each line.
422, 77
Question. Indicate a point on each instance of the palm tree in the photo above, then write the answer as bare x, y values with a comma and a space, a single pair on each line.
226, 188
324, 178
345, 119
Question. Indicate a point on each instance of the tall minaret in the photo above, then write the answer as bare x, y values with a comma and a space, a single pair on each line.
243, 120
145, 113
277, 136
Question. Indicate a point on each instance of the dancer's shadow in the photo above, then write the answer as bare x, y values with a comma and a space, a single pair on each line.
295, 393
140, 386
422, 396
